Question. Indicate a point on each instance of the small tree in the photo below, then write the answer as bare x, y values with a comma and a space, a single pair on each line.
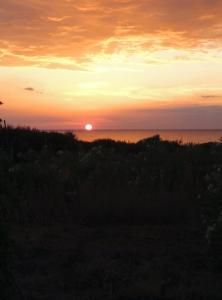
1, 121
0, 118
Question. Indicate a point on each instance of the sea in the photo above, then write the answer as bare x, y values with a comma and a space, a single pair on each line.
185, 136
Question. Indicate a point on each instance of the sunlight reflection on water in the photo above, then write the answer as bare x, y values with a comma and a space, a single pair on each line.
186, 136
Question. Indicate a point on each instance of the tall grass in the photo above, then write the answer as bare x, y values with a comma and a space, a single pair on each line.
51, 176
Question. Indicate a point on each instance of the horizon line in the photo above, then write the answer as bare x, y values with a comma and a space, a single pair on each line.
139, 129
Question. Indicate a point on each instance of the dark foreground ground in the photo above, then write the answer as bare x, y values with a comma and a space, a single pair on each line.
109, 220
124, 262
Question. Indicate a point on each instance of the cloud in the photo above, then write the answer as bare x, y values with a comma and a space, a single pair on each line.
30, 89
78, 29
198, 117
210, 96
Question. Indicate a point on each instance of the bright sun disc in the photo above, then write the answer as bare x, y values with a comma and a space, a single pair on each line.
88, 127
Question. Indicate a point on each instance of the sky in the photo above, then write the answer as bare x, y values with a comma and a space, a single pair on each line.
118, 64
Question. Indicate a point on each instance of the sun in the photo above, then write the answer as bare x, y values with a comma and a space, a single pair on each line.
88, 127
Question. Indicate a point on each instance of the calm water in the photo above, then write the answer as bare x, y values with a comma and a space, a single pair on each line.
186, 136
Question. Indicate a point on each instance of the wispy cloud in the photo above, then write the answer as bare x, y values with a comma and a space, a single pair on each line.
77, 29
210, 96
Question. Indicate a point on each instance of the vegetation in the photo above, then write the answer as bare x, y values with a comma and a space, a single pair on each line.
50, 178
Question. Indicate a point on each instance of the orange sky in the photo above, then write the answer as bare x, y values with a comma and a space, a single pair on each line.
113, 63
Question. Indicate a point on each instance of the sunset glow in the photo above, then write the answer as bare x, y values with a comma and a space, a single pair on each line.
120, 63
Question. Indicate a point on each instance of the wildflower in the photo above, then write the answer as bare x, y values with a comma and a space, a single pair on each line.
209, 231
207, 177
11, 170
210, 187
